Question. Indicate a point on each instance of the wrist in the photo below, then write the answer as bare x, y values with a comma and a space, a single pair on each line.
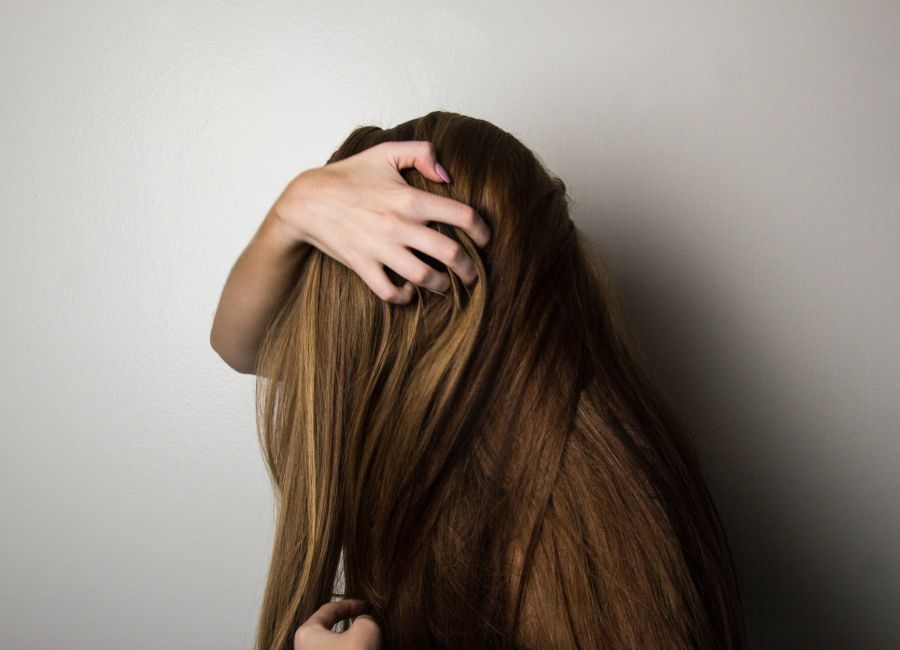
278, 236
290, 211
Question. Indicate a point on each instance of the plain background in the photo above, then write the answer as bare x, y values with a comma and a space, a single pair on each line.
737, 163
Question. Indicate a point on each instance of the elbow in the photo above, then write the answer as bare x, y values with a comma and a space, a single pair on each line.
236, 361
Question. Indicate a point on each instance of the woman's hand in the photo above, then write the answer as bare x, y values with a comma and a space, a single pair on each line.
316, 634
361, 212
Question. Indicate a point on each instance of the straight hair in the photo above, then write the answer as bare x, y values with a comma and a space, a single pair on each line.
493, 467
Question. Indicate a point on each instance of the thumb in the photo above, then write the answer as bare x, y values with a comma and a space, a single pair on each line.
419, 154
365, 628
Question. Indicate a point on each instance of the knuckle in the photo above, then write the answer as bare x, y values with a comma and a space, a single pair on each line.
470, 217
453, 252
427, 147
391, 225
420, 274
388, 294
405, 201
371, 633
393, 293
411, 200
366, 628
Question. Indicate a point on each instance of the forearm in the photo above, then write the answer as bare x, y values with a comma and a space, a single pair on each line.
257, 286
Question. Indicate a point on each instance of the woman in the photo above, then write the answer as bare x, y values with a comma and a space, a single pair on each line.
485, 464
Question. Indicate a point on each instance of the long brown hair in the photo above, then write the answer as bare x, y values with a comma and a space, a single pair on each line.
490, 468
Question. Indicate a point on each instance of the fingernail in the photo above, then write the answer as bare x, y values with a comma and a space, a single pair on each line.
439, 168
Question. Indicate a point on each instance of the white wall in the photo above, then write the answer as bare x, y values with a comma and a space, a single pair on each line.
738, 162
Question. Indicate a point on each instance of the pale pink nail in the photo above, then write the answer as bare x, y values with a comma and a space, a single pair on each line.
442, 172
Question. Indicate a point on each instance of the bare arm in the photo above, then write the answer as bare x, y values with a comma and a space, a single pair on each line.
359, 211
256, 287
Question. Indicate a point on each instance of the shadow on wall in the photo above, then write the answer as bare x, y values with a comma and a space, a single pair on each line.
802, 560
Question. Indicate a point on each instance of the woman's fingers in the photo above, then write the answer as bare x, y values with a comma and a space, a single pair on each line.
378, 281
337, 610
416, 153
402, 260
365, 632
360, 212
316, 634
442, 248
423, 207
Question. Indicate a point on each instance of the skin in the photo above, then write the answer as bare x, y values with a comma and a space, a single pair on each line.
316, 634
359, 211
